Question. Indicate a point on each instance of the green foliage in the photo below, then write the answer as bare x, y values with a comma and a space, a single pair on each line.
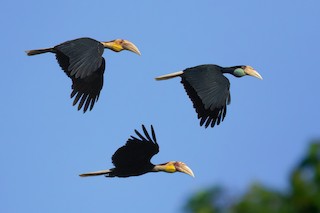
305, 182
212, 200
302, 196
261, 199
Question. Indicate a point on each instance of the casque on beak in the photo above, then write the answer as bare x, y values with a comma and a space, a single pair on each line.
182, 167
127, 45
120, 44
250, 71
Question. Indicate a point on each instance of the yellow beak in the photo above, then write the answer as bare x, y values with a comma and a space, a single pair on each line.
120, 44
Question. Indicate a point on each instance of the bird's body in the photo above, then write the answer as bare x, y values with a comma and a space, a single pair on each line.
81, 59
209, 89
133, 159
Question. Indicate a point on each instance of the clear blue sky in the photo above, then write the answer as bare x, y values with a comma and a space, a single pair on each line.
45, 142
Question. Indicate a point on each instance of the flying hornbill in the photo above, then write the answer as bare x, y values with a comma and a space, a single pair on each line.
82, 61
209, 89
133, 159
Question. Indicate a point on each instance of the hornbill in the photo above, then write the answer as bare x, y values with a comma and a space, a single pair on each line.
82, 61
133, 159
209, 89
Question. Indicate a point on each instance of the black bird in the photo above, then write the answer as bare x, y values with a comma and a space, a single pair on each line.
82, 61
133, 159
209, 89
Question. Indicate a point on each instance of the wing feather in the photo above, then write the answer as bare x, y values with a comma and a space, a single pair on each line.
137, 152
140, 136
209, 90
86, 90
146, 133
84, 54
153, 135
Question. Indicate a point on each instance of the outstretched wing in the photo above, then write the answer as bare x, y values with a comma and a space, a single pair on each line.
86, 90
84, 56
137, 151
209, 92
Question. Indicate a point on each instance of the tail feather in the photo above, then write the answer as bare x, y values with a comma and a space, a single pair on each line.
39, 51
101, 172
168, 76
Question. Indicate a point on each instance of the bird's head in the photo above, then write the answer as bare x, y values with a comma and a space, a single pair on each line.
246, 70
175, 166
120, 44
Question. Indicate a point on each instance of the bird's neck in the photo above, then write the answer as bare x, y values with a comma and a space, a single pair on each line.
165, 167
107, 44
229, 70
159, 168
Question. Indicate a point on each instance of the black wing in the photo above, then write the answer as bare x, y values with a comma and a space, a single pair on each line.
137, 151
209, 92
87, 89
84, 54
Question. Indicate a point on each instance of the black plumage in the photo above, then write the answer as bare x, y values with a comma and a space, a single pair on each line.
133, 159
81, 59
209, 89
209, 92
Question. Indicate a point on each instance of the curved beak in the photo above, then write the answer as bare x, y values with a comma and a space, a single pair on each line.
250, 71
182, 167
120, 44
127, 45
